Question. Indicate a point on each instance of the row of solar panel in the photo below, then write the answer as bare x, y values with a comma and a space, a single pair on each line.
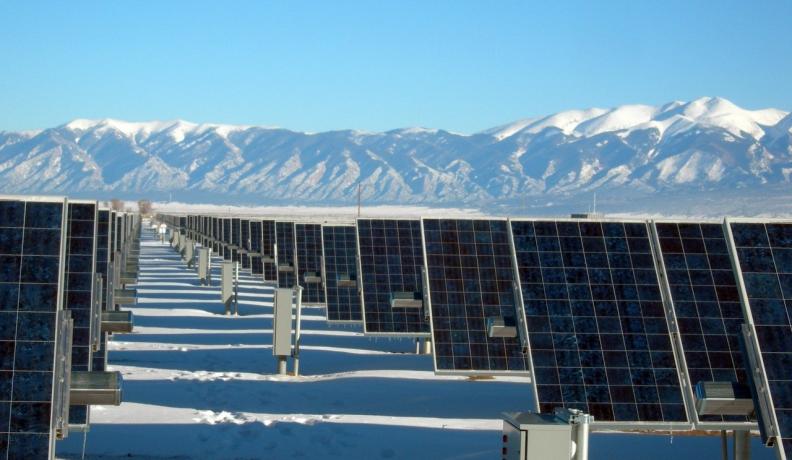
577, 302
51, 253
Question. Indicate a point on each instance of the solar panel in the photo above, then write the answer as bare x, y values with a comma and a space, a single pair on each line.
102, 267
244, 238
339, 247
308, 245
599, 339
236, 238
226, 232
256, 266
217, 235
763, 252
117, 230
31, 276
391, 266
286, 260
703, 295
472, 296
268, 239
78, 290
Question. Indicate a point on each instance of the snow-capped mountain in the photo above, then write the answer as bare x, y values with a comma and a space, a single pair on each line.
708, 144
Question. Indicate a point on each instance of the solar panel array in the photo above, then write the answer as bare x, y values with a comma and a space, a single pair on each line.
578, 303
391, 261
308, 245
31, 244
472, 282
339, 247
287, 269
598, 335
78, 290
764, 255
705, 302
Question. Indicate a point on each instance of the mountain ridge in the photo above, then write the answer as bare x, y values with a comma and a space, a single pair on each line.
702, 145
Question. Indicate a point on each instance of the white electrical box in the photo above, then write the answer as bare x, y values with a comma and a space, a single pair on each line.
282, 323
530, 436
203, 265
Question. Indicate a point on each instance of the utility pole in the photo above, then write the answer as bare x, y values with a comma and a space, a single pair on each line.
358, 200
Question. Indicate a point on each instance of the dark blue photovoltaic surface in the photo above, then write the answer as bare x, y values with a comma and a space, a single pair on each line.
764, 252
268, 238
236, 240
308, 238
226, 229
78, 290
597, 328
102, 267
236, 229
256, 267
391, 260
471, 279
706, 303
340, 260
30, 257
244, 226
284, 234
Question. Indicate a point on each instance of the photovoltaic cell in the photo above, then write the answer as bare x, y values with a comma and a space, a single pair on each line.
308, 240
341, 278
596, 323
287, 269
706, 303
764, 254
78, 290
391, 264
472, 282
30, 280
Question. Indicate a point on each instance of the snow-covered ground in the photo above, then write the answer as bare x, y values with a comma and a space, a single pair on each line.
199, 384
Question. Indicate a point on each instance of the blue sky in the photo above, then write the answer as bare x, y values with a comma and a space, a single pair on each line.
462, 66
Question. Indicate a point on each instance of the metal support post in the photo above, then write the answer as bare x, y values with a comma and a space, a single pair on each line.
724, 445
282, 365
742, 444
297, 328
236, 288
582, 438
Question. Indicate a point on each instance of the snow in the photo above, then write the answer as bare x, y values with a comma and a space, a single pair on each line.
622, 117
178, 130
300, 212
200, 385
705, 111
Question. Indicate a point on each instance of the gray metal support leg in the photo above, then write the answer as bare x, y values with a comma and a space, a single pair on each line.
742, 445
281, 365
581, 440
427, 347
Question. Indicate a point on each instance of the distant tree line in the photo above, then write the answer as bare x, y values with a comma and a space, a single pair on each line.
144, 206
